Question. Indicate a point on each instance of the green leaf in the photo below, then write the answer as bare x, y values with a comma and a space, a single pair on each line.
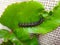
56, 14
33, 41
12, 39
4, 33
24, 12
15, 40
9, 38
22, 34
7, 43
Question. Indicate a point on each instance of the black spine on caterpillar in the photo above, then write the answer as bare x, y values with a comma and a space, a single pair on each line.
31, 24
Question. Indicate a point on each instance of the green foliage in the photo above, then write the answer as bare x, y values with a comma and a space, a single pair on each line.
56, 14
27, 12
10, 39
7, 43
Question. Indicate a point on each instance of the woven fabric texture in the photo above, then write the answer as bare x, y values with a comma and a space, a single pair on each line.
52, 38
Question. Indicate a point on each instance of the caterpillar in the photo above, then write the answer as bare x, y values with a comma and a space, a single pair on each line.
31, 24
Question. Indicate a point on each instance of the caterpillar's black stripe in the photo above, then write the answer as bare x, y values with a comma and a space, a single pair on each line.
31, 24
